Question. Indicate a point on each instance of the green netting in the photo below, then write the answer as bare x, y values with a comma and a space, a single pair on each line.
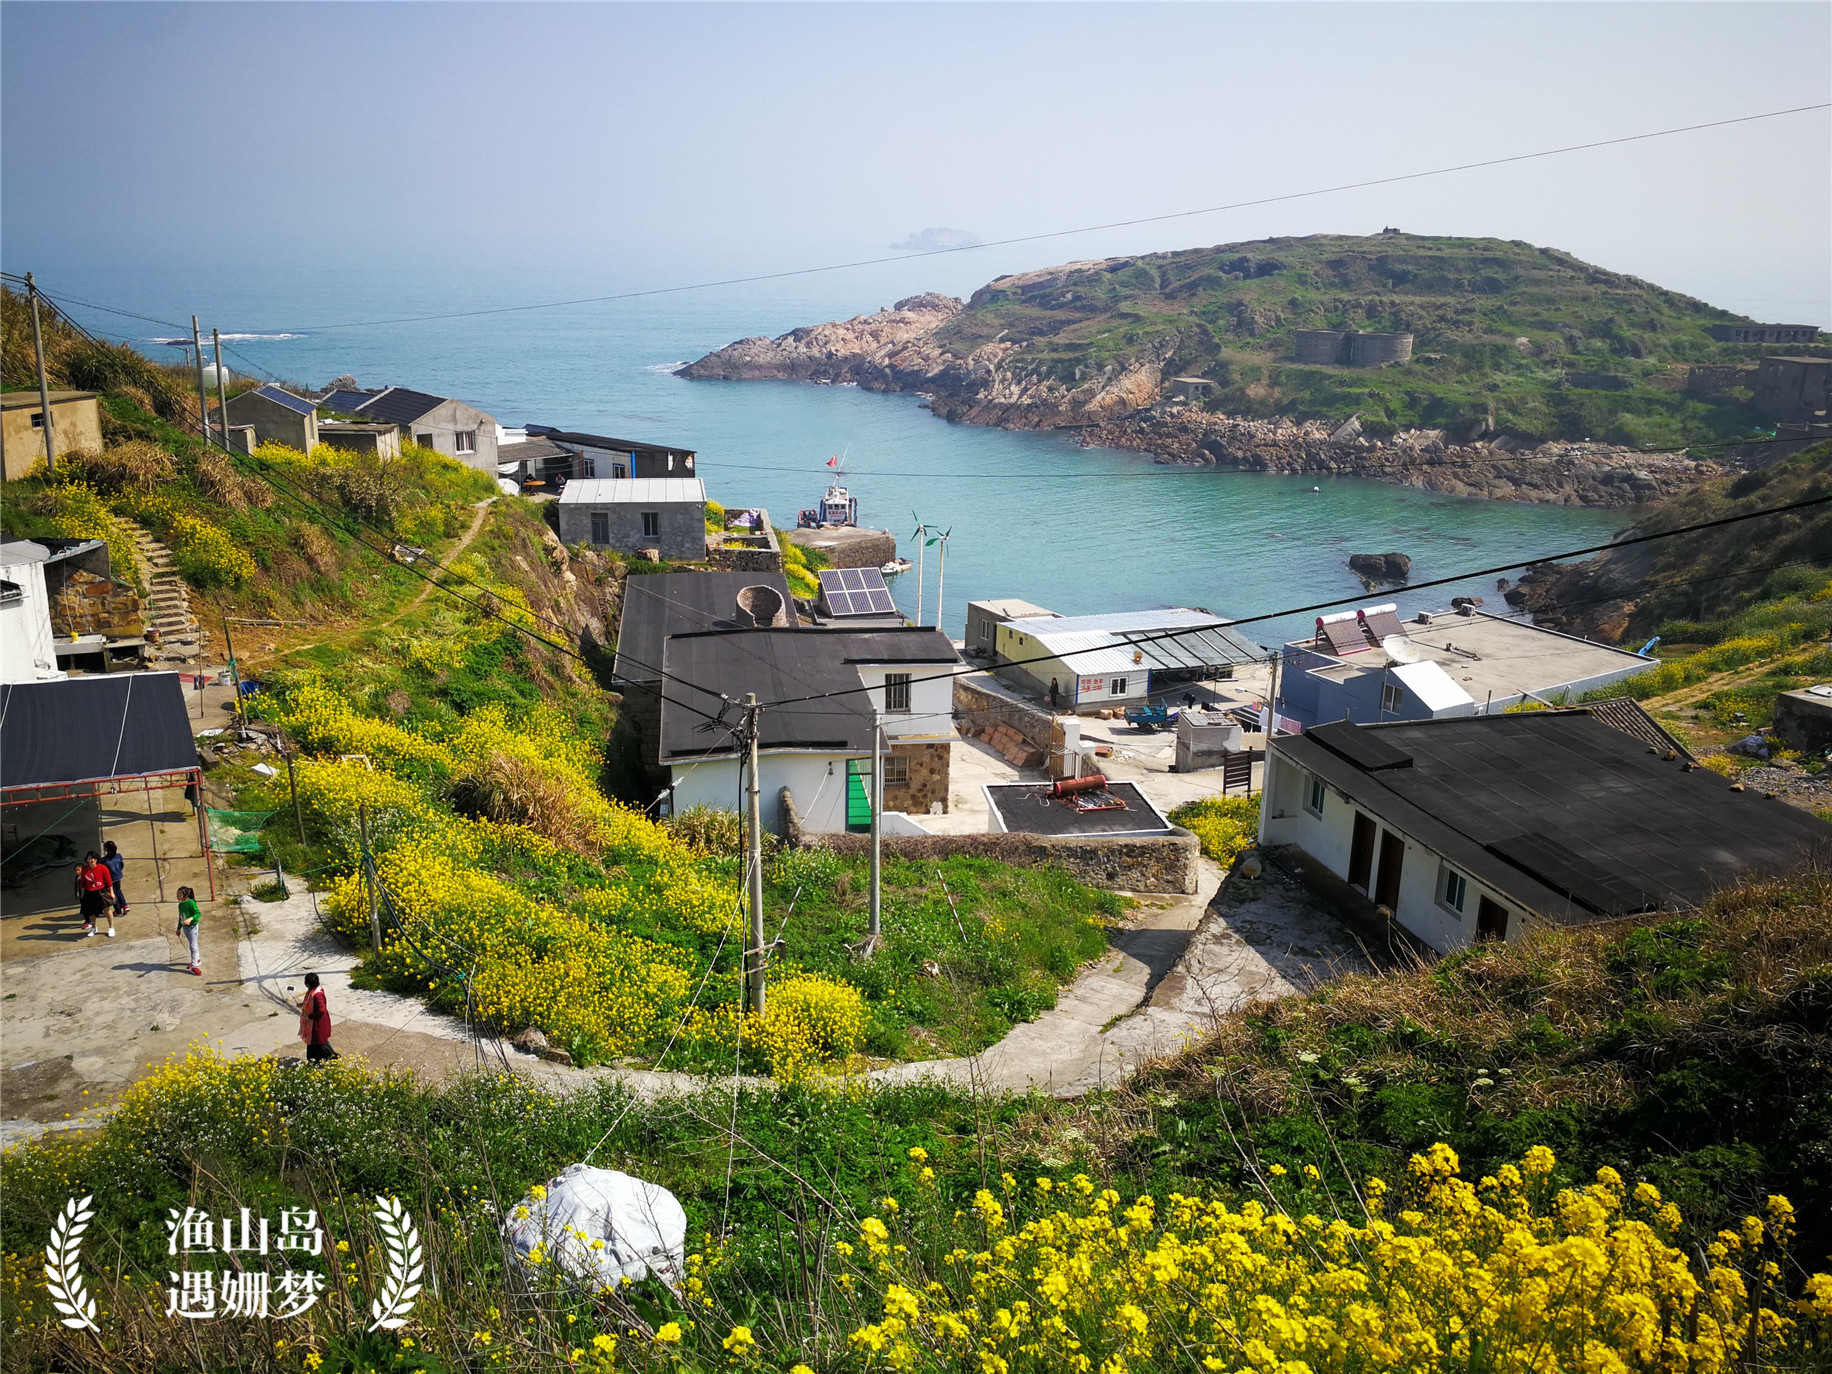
237, 832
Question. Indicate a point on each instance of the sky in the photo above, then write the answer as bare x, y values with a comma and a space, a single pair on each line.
537, 149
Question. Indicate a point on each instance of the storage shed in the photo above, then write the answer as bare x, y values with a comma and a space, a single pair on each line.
666, 515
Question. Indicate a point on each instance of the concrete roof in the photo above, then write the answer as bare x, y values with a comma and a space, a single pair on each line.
1011, 608
13, 400
17, 552
629, 491
1488, 655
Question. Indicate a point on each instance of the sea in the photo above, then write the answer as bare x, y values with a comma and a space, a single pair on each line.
1037, 516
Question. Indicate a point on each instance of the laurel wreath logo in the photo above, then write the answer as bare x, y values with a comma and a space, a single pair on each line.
405, 1265
63, 1265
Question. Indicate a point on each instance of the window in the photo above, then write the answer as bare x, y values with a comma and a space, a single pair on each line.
1314, 795
896, 771
1117, 687
1390, 699
38, 419
651, 524
617, 470
897, 692
423, 440
601, 527
1453, 889
465, 441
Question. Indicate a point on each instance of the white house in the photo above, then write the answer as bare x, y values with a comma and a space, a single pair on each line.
1475, 827
1121, 659
26, 652
821, 688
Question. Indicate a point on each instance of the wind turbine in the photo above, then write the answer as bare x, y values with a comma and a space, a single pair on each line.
941, 577
922, 543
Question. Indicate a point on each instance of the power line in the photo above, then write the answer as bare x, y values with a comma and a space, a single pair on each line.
1466, 576
1055, 233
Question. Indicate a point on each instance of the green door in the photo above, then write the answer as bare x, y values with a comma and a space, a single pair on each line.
858, 794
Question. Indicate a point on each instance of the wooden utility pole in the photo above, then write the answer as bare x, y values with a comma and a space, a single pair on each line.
235, 669
874, 932
375, 920
754, 807
292, 784
203, 397
44, 391
222, 403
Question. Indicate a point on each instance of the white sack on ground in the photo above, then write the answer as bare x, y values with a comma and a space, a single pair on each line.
603, 1226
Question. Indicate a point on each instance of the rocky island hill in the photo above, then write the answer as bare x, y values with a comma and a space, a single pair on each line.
1490, 368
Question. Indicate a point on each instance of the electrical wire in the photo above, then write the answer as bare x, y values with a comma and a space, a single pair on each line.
1067, 233
1465, 576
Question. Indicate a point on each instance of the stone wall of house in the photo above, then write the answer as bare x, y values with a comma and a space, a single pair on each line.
928, 782
87, 604
761, 552
1124, 863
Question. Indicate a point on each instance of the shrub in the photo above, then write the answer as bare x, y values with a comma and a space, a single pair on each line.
708, 829
209, 556
1225, 825
76, 511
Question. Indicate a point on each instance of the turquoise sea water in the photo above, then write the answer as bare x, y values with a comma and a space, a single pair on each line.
1035, 516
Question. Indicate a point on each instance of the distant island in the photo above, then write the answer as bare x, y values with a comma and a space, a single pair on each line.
1474, 366
938, 240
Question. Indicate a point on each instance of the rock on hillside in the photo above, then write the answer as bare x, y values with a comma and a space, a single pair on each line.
865, 349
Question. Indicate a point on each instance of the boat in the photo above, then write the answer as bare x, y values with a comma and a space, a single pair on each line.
895, 566
837, 507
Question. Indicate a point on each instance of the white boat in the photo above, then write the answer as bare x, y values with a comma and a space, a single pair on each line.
895, 566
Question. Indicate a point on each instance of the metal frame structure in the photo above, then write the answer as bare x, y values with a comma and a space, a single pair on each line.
82, 788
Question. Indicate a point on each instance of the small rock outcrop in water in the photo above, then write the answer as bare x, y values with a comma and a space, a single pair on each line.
1381, 567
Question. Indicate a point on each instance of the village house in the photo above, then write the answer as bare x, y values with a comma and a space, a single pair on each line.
1101, 661
26, 652
1369, 666
1795, 390
665, 516
985, 617
454, 428
1766, 333
816, 754
599, 455
276, 415
1484, 827
76, 426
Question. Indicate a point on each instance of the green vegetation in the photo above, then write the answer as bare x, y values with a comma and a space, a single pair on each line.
1224, 825
1497, 328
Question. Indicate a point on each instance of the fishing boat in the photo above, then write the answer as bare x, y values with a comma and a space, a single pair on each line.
837, 507
895, 566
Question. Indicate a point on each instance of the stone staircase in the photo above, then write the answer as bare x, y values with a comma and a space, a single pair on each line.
168, 606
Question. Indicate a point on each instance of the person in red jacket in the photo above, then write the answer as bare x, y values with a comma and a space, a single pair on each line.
94, 884
315, 1021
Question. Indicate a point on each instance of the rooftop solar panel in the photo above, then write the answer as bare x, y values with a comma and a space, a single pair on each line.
856, 591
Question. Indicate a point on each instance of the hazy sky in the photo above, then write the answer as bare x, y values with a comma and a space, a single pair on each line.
582, 147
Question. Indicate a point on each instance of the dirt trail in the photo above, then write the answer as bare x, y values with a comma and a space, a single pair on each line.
483, 511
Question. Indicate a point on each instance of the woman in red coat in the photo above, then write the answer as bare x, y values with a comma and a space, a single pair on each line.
315, 1021
94, 883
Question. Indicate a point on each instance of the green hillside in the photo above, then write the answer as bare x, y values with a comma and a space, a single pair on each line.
1497, 327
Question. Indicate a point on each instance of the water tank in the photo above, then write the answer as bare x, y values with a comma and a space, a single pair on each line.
761, 605
1372, 350
1321, 345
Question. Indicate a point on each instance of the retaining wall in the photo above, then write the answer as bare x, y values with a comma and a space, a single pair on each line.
984, 709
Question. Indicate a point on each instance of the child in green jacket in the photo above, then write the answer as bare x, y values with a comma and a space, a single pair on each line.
188, 916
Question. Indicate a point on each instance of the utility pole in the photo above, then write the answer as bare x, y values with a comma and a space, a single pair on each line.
293, 786
1272, 725
875, 932
222, 403
235, 671
375, 920
754, 800
44, 391
203, 397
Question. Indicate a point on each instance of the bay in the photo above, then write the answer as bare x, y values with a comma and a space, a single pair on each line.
1032, 515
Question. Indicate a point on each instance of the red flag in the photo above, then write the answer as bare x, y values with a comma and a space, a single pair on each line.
834, 461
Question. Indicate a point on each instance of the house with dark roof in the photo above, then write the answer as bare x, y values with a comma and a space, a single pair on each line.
1369, 666
276, 415
1484, 827
454, 428
815, 747
600, 455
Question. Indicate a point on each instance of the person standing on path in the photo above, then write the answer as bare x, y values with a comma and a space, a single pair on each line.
92, 887
1055, 694
116, 865
188, 918
315, 1022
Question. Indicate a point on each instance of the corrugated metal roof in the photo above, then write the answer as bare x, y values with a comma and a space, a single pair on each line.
1097, 644
624, 491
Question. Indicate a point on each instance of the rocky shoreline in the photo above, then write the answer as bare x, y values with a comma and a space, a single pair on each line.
1124, 406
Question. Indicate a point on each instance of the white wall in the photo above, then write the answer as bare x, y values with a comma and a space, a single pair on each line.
817, 781
931, 713
1284, 819
25, 628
